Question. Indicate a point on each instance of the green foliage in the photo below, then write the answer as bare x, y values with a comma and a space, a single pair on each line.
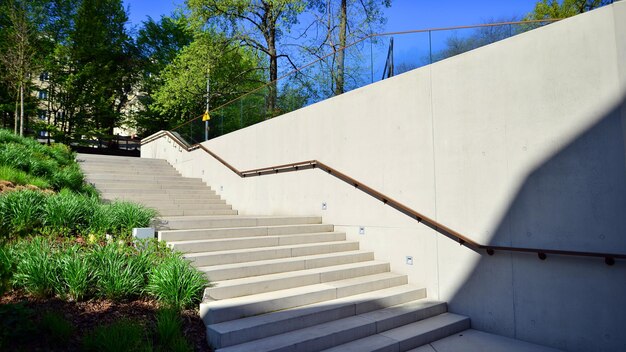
21, 212
57, 328
67, 213
545, 9
7, 268
76, 275
175, 283
36, 270
118, 273
169, 332
124, 216
124, 335
19, 177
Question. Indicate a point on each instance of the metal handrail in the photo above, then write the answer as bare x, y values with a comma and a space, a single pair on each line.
609, 258
374, 35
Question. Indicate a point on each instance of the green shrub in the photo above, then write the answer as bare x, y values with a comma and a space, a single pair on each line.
58, 329
168, 331
124, 216
176, 284
118, 273
7, 267
68, 177
36, 269
124, 335
66, 212
21, 212
76, 275
19, 177
7, 136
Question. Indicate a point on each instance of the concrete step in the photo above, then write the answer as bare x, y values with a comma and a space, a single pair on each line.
185, 191
239, 331
222, 244
200, 222
409, 336
144, 180
233, 232
257, 254
345, 330
129, 169
273, 266
195, 212
200, 206
152, 185
241, 307
281, 281
162, 197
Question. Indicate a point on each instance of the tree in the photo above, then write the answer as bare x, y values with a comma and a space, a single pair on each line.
341, 22
18, 54
233, 72
104, 67
545, 9
257, 24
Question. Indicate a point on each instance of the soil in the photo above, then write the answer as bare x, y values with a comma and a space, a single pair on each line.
85, 316
8, 186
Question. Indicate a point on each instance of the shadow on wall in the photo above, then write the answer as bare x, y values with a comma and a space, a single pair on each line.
576, 200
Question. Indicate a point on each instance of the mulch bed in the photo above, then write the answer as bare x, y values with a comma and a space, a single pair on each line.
85, 316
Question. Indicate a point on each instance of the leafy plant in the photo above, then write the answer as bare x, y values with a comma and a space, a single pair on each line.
75, 273
36, 270
175, 283
21, 211
58, 328
19, 177
169, 331
123, 335
68, 212
7, 267
118, 273
124, 216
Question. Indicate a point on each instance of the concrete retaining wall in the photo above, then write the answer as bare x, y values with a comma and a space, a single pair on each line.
518, 143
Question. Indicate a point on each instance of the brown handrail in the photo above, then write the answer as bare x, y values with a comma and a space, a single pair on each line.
609, 258
413, 31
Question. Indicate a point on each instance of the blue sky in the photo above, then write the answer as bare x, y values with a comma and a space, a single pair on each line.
403, 14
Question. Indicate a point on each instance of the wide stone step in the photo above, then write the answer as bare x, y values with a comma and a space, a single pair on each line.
122, 179
189, 206
273, 266
408, 336
241, 307
195, 212
142, 178
144, 191
201, 222
233, 232
162, 197
280, 281
151, 186
257, 254
478, 341
345, 330
256, 327
129, 170
196, 246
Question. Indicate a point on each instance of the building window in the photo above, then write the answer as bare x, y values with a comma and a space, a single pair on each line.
42, 115
43, 76
43, 94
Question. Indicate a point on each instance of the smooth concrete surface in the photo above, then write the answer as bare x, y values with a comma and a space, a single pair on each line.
478, 341
517, 143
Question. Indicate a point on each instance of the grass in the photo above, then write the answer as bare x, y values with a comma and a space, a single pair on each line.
19, 177
124, 335
7, 268
168, 332
57, 328
175, 283
118, 273
36, 269
75, 273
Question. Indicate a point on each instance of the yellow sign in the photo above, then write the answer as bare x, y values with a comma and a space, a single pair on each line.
206, 116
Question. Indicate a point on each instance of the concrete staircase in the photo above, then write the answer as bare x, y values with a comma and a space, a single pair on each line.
279, 283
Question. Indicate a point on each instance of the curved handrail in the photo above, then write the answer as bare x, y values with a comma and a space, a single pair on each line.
609, 258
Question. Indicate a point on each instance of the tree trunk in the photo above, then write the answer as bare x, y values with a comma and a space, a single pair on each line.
272, 91
17, 103
21, 109
341, 55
